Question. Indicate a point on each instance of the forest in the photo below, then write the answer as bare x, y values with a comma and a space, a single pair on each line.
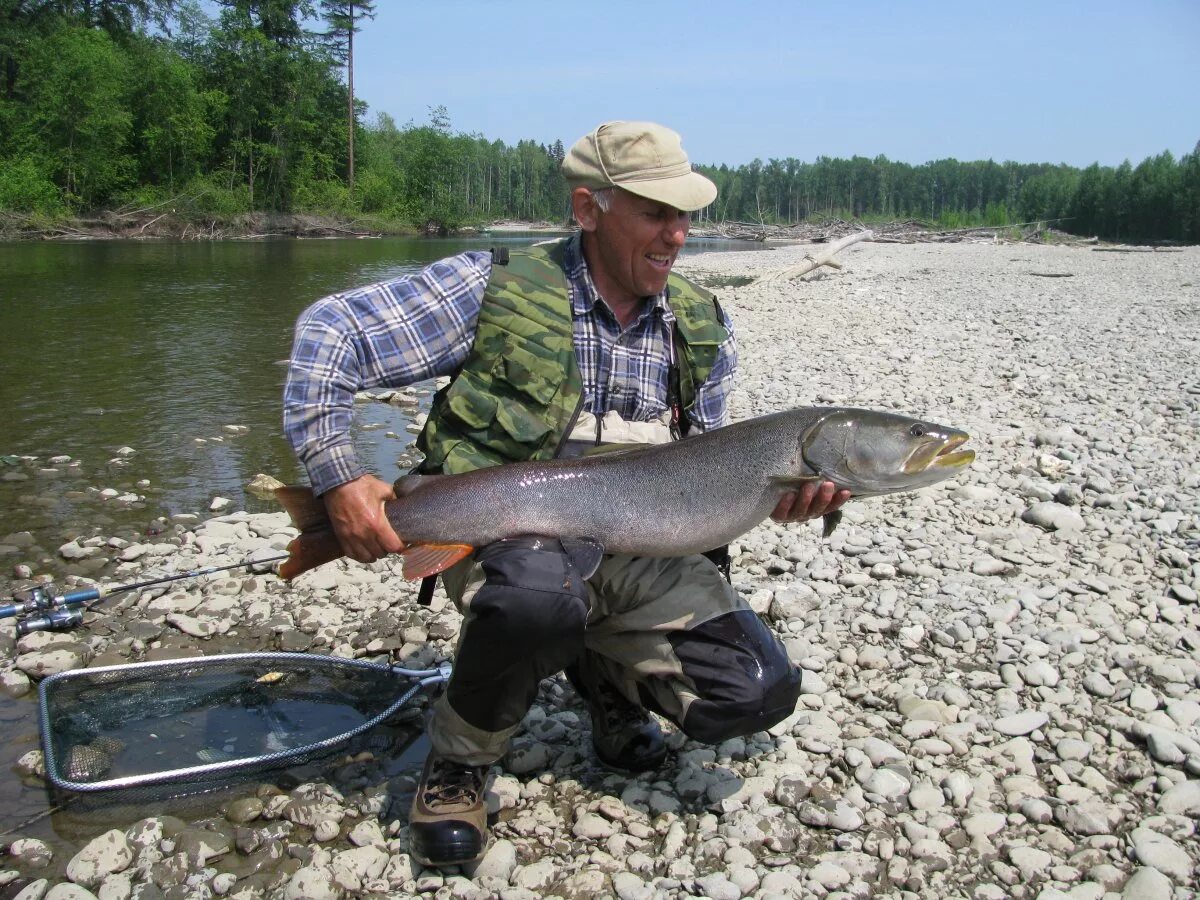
142, 104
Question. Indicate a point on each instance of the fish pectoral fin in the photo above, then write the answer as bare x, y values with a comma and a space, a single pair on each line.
793, 481
585, 554
831, 521
423, 560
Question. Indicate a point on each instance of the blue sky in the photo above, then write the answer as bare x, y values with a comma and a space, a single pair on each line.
1033, 82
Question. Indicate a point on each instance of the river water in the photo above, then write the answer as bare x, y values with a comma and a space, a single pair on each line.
157, 347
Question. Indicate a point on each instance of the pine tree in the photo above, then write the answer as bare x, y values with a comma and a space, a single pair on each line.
343, 17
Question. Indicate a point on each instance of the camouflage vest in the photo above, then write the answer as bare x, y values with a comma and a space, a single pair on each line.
520, 389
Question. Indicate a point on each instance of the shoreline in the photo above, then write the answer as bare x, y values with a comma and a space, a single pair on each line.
1000, 691
110, 225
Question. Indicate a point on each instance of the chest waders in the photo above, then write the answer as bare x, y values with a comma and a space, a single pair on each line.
519, 393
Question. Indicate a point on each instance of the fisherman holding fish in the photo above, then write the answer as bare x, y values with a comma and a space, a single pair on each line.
583, 341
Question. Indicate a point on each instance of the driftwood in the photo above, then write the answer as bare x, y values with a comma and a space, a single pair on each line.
824, 259
1136, 250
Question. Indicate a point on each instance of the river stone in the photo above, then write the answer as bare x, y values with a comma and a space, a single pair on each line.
110, 852
1032, 862
886, 783
1021, 723
198, 628
1092, 816
499, 861
1148, 884
1160, 852
201, 845
1181, 800
67, 891
922, 709
355, 868
34, 890
1053, 517
243, 810
367, 834
31, 852
537, 876
310, 812
61, 658
311, 883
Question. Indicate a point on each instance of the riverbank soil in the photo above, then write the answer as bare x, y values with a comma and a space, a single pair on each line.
1001, 685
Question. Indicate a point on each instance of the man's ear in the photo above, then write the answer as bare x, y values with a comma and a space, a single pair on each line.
583, 206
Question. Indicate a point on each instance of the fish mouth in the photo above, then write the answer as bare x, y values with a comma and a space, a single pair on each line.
940, 454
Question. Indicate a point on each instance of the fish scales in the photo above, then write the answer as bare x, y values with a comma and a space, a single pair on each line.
665, 500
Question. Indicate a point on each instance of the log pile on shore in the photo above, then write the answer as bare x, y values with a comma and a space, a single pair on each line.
908, 231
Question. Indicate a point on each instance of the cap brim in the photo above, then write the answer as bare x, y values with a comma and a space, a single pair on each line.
688, 192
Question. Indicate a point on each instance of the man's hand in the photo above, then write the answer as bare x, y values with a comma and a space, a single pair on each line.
813, 500
356, 510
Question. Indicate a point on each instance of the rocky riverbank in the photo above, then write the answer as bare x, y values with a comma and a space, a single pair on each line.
1001, 678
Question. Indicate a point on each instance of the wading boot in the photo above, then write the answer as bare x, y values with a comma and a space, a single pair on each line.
624, 735
448, 822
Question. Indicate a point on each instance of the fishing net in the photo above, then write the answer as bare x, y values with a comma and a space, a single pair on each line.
201, 720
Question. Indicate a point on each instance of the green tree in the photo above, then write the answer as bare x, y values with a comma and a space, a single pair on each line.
77, 113
343, 17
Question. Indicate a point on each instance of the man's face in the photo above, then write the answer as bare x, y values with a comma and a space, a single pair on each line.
636, 243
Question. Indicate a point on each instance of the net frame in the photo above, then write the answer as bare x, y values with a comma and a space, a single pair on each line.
208, 772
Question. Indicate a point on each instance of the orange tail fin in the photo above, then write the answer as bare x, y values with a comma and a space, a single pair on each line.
317, 544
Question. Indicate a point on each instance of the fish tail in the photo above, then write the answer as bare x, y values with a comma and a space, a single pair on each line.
317, 543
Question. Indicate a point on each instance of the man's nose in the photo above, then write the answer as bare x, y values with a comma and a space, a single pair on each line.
676, 231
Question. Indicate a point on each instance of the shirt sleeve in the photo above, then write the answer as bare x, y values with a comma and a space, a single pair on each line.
390, 334
711, 409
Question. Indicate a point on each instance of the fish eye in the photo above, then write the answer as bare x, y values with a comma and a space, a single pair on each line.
917, 430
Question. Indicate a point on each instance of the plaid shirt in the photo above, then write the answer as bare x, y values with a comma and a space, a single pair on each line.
399, 332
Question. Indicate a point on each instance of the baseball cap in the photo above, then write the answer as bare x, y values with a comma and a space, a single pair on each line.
640, 157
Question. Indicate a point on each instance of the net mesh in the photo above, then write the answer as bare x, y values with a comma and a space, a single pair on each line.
202, 720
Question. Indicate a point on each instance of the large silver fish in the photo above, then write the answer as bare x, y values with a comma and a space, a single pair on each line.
663, 500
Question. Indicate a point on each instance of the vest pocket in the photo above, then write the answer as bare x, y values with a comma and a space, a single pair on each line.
518, 373
519, 424
472, 408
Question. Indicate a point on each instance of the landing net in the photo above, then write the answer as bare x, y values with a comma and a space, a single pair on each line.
198, 721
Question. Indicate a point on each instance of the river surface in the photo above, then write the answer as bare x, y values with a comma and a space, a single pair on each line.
154, 348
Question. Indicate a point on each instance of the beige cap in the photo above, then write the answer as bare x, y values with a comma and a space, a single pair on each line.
641, 157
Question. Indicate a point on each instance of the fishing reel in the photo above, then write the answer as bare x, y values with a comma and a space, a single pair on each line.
58, 612
57, 620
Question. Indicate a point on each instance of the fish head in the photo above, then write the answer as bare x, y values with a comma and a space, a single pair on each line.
872, 453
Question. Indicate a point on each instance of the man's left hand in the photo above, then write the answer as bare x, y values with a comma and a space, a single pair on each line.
813, 500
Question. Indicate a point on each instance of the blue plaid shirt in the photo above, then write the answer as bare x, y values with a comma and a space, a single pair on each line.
399, 332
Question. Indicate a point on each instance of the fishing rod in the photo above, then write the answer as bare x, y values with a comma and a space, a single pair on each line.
60, 612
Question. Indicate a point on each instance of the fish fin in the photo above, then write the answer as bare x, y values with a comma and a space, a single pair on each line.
308, 550
792, 481
423, 560
306, 511
830, 522
585, 554
316, 544
406, 484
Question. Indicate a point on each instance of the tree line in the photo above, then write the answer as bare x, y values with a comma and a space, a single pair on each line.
132, 104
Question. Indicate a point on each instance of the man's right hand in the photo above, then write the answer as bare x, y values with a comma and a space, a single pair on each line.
356, 510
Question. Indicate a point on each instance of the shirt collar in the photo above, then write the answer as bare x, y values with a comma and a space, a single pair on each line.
584, 295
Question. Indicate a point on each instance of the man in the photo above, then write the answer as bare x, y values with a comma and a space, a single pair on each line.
581, 341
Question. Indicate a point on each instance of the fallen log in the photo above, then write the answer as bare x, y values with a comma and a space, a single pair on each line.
815, 262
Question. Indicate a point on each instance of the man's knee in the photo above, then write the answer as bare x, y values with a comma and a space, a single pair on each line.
743, 677
532, 597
